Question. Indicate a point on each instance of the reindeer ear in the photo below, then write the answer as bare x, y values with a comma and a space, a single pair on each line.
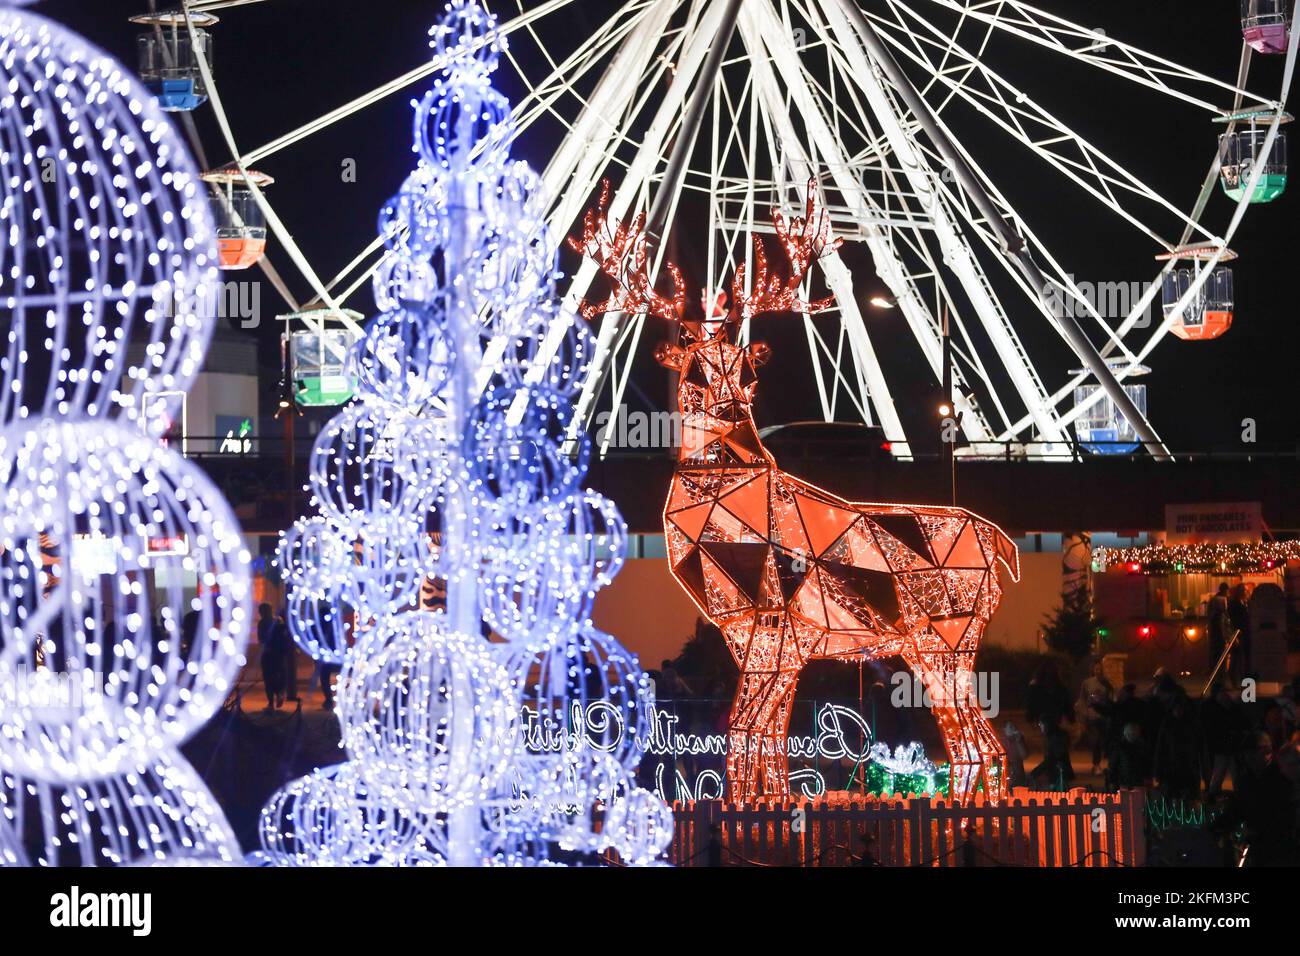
759, 353
670, 355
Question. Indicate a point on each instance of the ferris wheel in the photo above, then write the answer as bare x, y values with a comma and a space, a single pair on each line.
737, 106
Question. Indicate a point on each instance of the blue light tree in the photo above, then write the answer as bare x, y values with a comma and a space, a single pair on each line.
499, 726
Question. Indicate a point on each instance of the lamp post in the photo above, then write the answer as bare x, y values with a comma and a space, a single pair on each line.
287, 406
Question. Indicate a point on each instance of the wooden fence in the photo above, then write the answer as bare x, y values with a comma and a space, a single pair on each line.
1031, 829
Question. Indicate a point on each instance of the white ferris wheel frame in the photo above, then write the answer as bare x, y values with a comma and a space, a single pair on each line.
794, 126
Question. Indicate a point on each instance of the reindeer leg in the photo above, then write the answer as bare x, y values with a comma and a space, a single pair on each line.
756, 742
973, 748
993, 756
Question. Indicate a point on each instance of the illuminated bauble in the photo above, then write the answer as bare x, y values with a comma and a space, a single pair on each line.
513, 448
332, 818
595, 787
427, 712
532, 601
323, 628
592, 538
640, 826
374, 473
511, 267
541, 569
565, 336
311, 553
12, 852
403, 359
416, 225
464, 24
585, 693
158, 811
386, 573
453, 117
100, 526
401, 281
108, 263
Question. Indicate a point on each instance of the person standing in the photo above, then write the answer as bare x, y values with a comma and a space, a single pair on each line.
1013, 741
1129, 763
1223, 729
1217, 612
1177, 751
290, 651
1095, 697
1048, 705
270, 638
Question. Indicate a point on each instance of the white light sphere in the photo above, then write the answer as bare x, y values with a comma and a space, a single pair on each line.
376, 473
640, 826
108, 261
403, 360
331, 817
586, 693
155, 812
102, 530
322, 627
311, 552
429, 713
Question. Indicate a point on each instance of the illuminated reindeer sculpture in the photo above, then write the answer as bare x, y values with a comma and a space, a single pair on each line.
788, 572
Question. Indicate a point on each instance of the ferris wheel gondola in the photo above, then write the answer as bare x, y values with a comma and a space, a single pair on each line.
168, 55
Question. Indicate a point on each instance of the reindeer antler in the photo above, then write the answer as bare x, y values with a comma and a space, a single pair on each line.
621, 255
805, 239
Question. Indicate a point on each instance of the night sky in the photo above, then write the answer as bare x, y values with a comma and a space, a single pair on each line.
284, 62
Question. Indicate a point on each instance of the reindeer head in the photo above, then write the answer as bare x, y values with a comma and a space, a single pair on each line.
717, 376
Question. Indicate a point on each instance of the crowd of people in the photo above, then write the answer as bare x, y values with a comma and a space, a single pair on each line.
1162, 737
1226, 748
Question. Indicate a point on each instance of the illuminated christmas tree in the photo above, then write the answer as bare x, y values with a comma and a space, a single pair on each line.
503, 727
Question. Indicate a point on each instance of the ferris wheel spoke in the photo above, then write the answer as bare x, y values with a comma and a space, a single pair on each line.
1021, 117
1102, 51
956, 254
953, 77
784, 138
434, 65
695, 60
544, 96
211, 6
272, 218
756, 24
594, 137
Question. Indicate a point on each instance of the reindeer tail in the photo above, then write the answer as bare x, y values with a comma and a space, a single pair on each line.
1007, 552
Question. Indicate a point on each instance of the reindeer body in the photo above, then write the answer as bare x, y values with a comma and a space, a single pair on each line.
790, 572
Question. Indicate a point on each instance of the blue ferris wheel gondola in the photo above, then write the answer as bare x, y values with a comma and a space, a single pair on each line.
169, 58
1102, 428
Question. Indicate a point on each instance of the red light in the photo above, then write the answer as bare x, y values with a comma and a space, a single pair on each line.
1134, 567
1145, 631
886, 446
